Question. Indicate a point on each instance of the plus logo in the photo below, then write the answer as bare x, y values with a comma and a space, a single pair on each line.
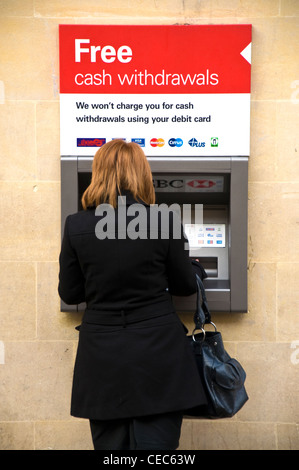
194, 143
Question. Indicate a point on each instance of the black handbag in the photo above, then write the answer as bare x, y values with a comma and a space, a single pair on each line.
222, 376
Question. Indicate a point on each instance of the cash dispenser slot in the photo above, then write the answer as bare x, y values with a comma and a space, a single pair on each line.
210, 264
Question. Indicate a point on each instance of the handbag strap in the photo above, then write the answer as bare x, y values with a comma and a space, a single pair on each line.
202, 314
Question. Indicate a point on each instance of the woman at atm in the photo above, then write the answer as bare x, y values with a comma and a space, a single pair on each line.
134, 373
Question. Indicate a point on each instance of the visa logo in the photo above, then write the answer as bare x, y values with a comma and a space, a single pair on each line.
138, 141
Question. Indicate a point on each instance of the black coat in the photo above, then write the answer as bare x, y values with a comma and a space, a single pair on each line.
133, 358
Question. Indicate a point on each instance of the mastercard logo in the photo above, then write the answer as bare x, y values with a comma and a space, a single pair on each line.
157, 142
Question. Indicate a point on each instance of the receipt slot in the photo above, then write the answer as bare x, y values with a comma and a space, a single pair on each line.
219, 239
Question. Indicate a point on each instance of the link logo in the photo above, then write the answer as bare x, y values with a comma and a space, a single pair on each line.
157, 142
175, 142
194, 143
214, 141
90, 142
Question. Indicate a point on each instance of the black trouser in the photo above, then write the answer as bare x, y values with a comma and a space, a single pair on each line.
148, 432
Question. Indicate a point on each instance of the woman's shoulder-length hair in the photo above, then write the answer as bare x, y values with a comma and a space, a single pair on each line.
119, 166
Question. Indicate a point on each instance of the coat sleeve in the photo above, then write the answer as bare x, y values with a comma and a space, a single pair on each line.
71, 287
180, 269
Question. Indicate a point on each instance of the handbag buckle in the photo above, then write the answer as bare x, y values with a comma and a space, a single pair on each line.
193, 333
203, 331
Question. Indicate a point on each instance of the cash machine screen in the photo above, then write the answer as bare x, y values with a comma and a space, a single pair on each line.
205, 235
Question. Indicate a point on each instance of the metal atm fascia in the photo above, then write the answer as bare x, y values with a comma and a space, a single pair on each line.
223, 295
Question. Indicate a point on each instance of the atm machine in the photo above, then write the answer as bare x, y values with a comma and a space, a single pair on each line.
219, 241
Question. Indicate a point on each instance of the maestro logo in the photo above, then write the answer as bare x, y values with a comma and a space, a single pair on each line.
157, 142
175, 142
194, 143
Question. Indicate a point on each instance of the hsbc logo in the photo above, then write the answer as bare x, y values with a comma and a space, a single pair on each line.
201, 184
179, 183
194, 143
164, 183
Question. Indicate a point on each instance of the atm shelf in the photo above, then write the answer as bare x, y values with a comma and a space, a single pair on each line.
217, 284
218, 296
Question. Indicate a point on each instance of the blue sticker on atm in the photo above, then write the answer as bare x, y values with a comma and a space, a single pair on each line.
89, 142
139, 141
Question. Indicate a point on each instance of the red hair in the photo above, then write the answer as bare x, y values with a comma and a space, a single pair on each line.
119, 166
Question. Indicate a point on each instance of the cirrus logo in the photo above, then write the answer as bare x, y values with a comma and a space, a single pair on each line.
194, 143
175, 142
157, 142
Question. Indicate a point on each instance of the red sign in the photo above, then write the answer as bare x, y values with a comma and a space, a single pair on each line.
172, 59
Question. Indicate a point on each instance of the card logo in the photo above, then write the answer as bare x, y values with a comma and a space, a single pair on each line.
139, 141
90, 142
214, 141
157, 142
175, 142
194, 143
